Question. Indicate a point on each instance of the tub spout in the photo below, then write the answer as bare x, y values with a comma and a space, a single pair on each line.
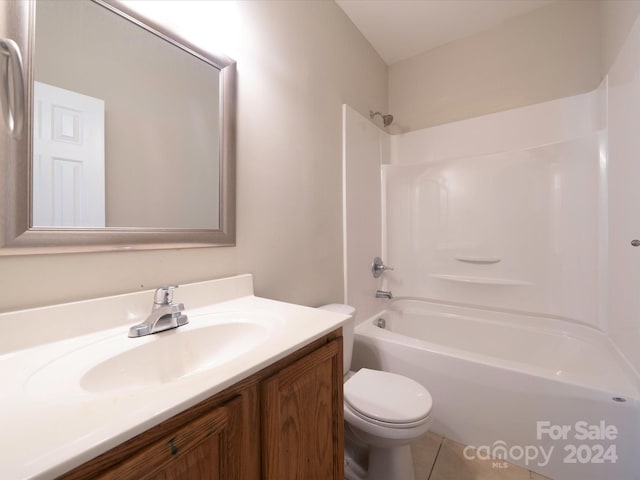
383, 294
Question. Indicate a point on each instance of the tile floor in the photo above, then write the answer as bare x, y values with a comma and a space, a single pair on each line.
438, 458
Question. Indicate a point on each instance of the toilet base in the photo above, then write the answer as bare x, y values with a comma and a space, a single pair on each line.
356, 456
390, 464
373, 463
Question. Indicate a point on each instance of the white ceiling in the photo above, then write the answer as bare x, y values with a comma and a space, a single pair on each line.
400, 29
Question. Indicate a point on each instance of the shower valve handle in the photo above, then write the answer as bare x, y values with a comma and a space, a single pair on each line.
378, 267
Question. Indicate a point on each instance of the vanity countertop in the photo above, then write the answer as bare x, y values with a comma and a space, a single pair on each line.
65, 400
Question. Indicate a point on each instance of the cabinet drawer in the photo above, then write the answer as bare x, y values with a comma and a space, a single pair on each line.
207, 448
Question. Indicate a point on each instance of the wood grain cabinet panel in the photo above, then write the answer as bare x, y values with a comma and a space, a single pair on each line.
302, 418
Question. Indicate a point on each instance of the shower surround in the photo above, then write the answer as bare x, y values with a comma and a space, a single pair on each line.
517, 225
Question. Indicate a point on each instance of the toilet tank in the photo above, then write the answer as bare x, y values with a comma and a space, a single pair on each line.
347, 331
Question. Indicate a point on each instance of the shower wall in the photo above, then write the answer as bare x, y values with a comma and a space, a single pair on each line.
624, 197
364, 148
502, 211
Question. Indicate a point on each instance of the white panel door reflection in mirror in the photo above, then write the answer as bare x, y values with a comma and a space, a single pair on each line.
68, 159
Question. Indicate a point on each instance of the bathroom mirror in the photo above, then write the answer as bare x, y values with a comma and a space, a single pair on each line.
128, 137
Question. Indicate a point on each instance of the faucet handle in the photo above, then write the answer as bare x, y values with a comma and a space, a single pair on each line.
164, 295
378, 267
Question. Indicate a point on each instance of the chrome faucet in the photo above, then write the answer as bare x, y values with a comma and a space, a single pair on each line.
164, 314
383, 294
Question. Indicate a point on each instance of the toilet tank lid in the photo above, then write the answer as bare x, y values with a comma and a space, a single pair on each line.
339, 308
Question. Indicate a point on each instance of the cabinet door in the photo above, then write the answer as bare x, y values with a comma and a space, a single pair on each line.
302, 412
207, 448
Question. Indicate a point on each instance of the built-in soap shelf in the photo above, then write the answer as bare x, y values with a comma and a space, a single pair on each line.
477, 259
479, 280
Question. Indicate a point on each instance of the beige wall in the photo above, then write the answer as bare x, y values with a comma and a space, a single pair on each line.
550, 53
299, 61
617, 18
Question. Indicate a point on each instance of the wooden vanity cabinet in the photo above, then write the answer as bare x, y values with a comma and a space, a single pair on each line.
285, 422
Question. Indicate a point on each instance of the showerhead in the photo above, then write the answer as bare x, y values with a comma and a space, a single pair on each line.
386, 119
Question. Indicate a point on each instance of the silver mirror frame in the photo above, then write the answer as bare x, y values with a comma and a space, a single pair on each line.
17, 237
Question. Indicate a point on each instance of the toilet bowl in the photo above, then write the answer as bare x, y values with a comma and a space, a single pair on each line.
382, 410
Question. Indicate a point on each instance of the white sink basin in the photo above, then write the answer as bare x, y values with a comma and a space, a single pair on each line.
174, 354
116, 362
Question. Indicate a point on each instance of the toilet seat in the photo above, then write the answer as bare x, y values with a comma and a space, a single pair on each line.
380, 423
387, 399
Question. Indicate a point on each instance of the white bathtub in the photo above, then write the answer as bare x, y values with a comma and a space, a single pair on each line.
539, 392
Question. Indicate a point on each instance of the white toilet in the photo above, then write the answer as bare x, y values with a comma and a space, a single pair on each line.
383, 410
